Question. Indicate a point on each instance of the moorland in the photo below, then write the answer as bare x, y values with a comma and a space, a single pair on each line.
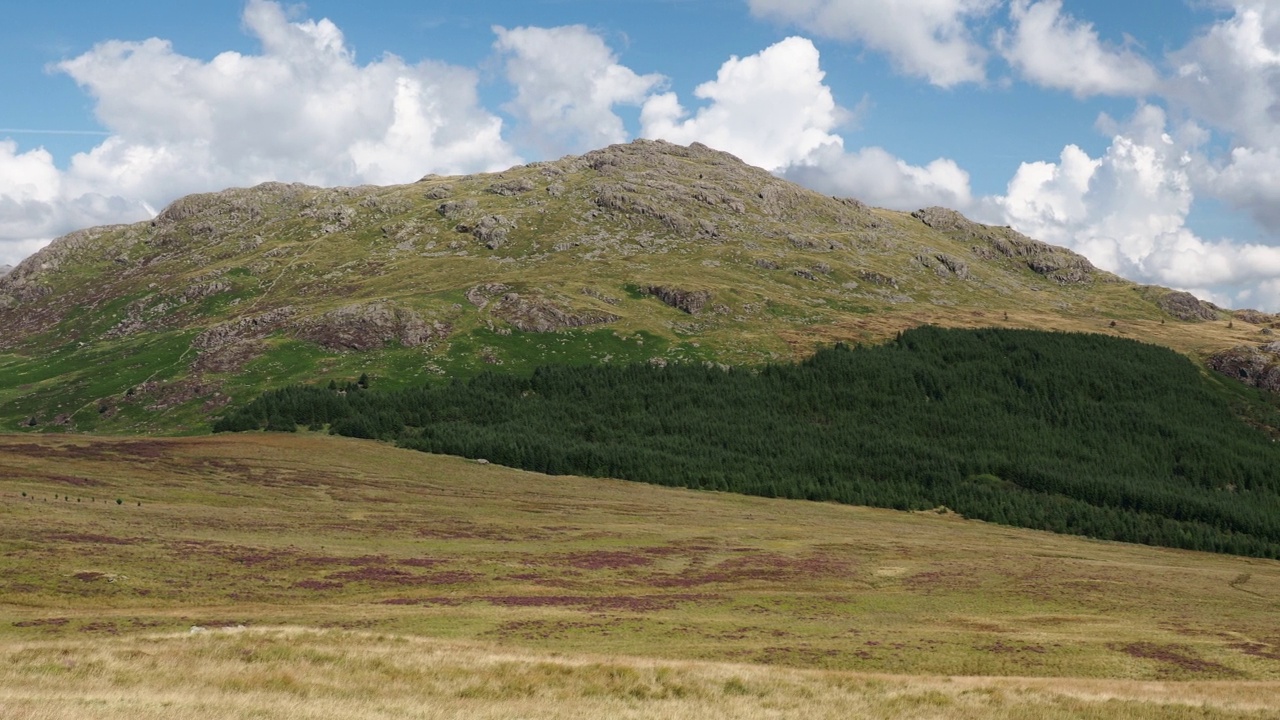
530, 320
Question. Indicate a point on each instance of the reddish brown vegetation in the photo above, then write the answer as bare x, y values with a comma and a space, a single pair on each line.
626, 603
42, 622
1179, 656
759, 567
91, 538
318, 585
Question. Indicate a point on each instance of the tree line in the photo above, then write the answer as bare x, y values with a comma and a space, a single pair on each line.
1068, 432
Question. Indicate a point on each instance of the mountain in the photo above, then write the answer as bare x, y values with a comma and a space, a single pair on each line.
641, 252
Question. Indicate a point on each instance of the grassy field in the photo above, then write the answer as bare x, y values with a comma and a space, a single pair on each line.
338, 578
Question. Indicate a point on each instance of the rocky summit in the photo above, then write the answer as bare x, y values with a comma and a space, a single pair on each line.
648, 252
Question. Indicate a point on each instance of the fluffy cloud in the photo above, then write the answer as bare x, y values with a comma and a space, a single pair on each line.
771, 109
37, 204
926, 38
1058, 51
1127, 211
1229, 75
1229, 78
879, 178
301, 110
567, 82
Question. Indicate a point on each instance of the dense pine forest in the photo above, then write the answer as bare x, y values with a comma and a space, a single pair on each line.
1074, 433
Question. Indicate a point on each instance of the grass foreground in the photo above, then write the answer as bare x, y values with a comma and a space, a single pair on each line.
313, 577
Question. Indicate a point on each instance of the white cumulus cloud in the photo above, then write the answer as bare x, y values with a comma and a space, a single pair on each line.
37, 203
1056, 50
926, 38
567, 82
1228, 77
303, 109
1127, 212
771, 109
875, 176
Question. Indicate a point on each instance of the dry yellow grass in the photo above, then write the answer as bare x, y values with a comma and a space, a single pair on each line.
1195, 339
294, 673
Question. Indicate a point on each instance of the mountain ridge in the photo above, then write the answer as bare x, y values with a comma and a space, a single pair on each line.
641, 252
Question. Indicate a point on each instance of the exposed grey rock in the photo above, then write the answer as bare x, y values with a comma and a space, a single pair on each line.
955, 265
333, 218
1258, 365
690, 301
1186, 306
247, 327
765, 264
204, 290
877, 278
481, 294
1255, 317
455, 209
779, 198
440, 192
511, 187
592, 292
802, 242
539, 315
369, 326
944, 265
492, 230
626, 200
1058, 264
805, 243
943, 219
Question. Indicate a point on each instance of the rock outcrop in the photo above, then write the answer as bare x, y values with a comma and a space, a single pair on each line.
1056, 263
1186, 306
369, 326
531, 314
1256, 365
690, 301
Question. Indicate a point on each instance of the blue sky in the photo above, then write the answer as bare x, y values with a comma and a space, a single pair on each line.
1141, 133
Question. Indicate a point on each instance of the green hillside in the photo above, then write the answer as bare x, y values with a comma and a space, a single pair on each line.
645, 252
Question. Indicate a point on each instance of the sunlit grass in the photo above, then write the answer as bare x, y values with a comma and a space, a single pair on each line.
360, 550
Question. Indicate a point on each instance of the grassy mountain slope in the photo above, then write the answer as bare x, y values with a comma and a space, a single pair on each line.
363, 571
647, 251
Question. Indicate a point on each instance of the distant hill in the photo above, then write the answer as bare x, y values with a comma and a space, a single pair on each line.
647, 251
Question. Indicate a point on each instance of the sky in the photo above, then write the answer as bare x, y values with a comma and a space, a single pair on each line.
1144, 134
